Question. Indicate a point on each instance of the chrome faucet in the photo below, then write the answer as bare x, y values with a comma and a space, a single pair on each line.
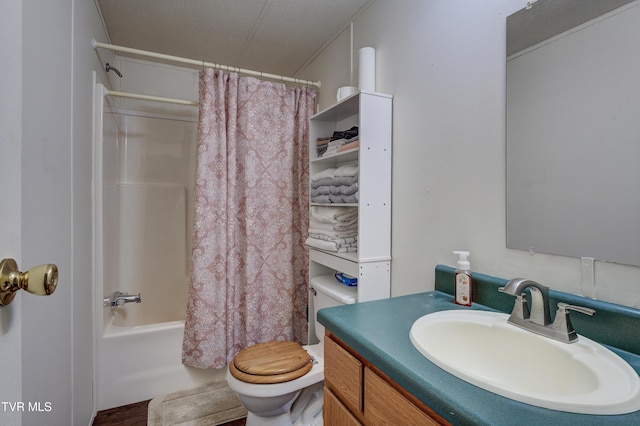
118, 299
539, 313
538, 319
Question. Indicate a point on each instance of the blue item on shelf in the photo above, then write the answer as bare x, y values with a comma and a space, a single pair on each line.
346, 279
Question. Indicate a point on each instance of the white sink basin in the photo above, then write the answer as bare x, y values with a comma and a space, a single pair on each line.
483, 349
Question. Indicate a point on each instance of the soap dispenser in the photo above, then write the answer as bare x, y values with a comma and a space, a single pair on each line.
463, 283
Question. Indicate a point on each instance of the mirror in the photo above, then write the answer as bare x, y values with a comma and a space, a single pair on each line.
573, 129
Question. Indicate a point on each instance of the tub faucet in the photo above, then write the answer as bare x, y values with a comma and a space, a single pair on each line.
118, 299
538, 319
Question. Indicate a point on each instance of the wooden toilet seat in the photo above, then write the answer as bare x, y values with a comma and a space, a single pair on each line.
271, 362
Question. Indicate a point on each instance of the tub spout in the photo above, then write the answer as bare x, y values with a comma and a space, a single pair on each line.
118, 299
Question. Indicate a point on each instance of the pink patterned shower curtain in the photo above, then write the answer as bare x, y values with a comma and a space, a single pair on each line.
249, 263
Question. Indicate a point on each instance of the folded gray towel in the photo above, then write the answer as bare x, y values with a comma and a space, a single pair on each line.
344, 189
325, 199
334, 181
321, 190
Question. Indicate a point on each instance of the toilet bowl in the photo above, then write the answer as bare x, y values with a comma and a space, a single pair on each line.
296, 402
276, 385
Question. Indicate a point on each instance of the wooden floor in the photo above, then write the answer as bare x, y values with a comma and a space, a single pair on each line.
134, 415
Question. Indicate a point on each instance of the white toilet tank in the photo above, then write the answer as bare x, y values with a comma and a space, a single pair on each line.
329, 292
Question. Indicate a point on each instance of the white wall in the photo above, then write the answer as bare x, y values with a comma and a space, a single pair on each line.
444, 62
152, 158
87, 25
146, 214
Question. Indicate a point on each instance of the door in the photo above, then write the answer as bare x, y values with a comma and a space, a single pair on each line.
10, 183
10, 326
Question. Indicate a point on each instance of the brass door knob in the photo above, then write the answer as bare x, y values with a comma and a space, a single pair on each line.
41, 280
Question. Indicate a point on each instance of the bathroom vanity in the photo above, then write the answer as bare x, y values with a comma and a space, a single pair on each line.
356, 393
373, 373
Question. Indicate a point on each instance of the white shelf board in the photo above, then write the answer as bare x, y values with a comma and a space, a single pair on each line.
351, 154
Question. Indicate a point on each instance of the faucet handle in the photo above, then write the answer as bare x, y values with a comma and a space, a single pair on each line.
562, 322
520, 308
564, 307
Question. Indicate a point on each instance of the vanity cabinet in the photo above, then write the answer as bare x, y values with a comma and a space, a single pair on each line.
371, 264
335, 413
357, 394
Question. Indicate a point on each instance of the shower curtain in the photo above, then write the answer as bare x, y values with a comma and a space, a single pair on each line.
249, 263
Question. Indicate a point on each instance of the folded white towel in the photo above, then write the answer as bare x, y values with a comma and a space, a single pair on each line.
330, 151
337, 143
349, 241
326, 173
348, 250
329, 214
331, 245
349, 169
338, 226
334, 234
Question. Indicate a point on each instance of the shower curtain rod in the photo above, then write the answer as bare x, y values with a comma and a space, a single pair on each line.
97, 44
108, 92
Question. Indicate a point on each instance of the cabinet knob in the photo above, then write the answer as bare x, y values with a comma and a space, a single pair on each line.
41, 280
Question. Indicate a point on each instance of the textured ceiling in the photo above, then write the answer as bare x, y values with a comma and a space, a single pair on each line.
276, 36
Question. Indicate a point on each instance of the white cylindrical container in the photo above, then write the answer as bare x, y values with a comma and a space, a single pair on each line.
345, 91
367, 69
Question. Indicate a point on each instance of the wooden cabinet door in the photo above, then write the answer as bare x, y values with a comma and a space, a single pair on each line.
384, 405
334, 413
343, 375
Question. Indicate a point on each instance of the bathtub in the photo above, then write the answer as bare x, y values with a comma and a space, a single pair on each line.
142, 362
139, 349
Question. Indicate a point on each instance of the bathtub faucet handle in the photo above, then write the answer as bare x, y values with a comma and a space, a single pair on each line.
118, 299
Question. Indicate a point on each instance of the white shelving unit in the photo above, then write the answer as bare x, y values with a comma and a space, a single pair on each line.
372, 113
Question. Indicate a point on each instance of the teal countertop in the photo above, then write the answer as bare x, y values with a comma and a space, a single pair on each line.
379, 332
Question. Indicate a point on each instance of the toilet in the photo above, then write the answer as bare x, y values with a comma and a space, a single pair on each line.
281, 383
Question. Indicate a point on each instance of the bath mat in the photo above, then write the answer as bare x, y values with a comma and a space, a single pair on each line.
212, 404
